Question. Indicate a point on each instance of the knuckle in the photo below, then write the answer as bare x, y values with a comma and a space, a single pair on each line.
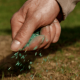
22, 34
37, 16
13, 17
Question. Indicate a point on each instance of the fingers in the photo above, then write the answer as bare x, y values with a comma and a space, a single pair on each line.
16, 23
46, 32
35, 43
24, 34
19, 31
58, 31
52, 34
33, 17
49, 33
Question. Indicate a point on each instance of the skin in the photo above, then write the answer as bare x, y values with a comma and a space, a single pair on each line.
32, 15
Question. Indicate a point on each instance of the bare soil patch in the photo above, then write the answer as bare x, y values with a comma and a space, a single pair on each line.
59, 63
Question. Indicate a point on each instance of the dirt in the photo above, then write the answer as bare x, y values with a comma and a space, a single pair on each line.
5, 42
63, 63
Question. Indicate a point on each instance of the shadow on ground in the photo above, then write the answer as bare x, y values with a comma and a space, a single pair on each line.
68, 37
6, 31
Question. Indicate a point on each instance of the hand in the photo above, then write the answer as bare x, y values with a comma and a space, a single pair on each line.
51, 35
31, 16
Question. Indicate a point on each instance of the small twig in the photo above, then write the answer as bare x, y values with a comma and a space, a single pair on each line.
34, 75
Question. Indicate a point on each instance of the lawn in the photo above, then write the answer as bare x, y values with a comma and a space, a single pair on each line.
61, 61
8, 8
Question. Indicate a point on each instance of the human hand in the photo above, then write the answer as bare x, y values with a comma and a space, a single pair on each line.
51, 35
31, 16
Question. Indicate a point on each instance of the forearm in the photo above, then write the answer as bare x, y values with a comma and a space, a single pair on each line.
67, 6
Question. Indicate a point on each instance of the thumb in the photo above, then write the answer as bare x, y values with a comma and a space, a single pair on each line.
24, 34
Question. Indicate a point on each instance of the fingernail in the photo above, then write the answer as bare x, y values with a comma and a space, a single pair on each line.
15, 45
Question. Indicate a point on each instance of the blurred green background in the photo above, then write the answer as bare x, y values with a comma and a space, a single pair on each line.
9, 7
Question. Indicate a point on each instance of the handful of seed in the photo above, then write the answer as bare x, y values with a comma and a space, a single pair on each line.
35, 34
21, 57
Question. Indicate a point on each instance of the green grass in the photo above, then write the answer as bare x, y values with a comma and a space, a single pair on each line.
7, 9
73, 18
2, 75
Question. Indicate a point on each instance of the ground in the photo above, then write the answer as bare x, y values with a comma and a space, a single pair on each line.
61, 61
57, 63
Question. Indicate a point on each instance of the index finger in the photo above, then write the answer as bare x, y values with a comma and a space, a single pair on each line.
16, 23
